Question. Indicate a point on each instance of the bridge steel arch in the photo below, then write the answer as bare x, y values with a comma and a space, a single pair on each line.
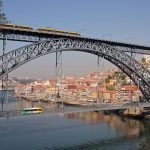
138, 73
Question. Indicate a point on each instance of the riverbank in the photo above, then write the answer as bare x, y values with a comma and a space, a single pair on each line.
134, 112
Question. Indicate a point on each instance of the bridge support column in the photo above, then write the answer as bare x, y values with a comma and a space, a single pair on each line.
58, 74
100, 61
97, 87
130, 78
4, 79
133, 57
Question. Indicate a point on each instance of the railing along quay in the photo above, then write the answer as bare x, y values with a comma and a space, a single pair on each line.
10, 113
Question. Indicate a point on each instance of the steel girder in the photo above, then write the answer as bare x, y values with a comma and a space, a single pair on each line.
23, 37
131, 67
133, 50
34, 36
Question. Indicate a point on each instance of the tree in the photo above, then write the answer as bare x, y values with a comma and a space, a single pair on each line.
3, 18
123, 83
143, 60
111, 88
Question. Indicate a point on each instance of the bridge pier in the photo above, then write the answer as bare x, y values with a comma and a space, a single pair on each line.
133, 112
97, 87
5, 78
100, 60
58, 74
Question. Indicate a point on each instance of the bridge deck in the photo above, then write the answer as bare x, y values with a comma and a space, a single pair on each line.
69, 109
32, 35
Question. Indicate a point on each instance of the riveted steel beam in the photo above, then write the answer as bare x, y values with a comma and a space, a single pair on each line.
35, 36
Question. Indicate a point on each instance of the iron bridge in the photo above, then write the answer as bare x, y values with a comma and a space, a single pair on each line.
137, 72
35, 36
44, 43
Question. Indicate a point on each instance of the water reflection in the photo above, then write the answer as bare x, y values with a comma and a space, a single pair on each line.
15, 103
28, 104
129, 127
72, 131
136, 135
144, 143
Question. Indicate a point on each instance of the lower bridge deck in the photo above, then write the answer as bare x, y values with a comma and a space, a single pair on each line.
70, 109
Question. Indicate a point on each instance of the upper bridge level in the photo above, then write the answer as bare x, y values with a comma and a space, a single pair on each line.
29, 34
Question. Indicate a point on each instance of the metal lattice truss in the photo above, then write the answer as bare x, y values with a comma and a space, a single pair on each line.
20, 56
133, 50
34, 36
23, 37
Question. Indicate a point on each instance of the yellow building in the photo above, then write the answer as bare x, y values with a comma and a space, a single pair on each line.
94, 95
112, 82
53, 90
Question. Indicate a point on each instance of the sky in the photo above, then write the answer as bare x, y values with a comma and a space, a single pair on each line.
121, 20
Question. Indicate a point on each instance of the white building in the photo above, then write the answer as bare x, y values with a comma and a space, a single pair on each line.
147, 59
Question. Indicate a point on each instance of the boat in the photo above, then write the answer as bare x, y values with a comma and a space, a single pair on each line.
34, 110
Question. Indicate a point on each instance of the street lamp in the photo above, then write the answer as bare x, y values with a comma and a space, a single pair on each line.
139, 87
139, 84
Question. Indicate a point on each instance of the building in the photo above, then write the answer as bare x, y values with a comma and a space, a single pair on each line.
125, 93
107, 95
147, 59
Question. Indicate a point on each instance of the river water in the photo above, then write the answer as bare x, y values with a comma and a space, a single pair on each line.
73, 131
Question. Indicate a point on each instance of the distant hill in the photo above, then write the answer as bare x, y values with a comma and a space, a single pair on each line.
23, 81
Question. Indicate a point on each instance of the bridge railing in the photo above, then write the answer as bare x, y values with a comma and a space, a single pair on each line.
70, 109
